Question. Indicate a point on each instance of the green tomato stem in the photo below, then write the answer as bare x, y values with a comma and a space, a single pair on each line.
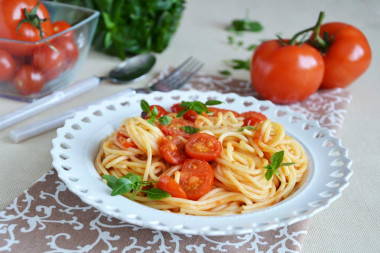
316, 28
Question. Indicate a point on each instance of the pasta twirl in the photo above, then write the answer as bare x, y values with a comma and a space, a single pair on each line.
239, 185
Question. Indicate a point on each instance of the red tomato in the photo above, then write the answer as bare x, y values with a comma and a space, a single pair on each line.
172, 149
197, 178
175, 128
124, 141
252, 118
348, 56
215, 111
28, 80
189, 115
161, 111
169, 185
50, 59
11, 14
203, 146
70, 48
60, 26
7, 66
286, 73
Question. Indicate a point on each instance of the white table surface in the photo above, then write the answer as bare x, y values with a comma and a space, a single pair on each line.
350, 224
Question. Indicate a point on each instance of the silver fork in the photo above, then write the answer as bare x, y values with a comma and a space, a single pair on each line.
175, 80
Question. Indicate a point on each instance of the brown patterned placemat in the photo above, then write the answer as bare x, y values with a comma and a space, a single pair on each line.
49, 218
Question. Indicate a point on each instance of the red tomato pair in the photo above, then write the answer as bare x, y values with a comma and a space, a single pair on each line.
286, 73
197, 179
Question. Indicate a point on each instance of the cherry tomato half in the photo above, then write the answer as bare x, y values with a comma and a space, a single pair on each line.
252, 118
124, 141
348, 56
172, 149
175, 128
203, 146
169, 185
197, 178
7, 66
28, 80
286, 73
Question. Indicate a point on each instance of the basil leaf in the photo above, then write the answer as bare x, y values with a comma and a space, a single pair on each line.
111, 180
151, 121
154, 112
287, 164
144, 106
214, 102
121, 186
269, 174
190, 129
240, 64
276, 158
181, 113
252, 47
156, 193
165, 120
133, 178
246, 127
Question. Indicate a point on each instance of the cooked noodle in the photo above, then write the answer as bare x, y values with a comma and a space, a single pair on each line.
240, 185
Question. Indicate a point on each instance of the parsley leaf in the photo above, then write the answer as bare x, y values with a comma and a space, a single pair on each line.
132, 182
276, 162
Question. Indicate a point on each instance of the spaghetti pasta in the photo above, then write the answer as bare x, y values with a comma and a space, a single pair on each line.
239, 176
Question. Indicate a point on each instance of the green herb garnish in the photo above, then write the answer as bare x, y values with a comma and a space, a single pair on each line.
245, 25
197, 106
153, 113
132, 182
276, 162
246, 127
190, 129
240, 64
225, 72
133, 27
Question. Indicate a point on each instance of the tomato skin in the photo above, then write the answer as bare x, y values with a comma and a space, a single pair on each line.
169, 185
172, 149
175, 128
50, 61
11, 13
70, 48
203, 146
286, 73
197, 178
7, 66
252, 118
28, 80
347, 58
60, 26
124, 141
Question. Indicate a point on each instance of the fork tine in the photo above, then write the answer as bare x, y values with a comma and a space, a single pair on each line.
179, 76
177, 82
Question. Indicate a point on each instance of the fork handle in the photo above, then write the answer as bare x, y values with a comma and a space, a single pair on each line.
143, 90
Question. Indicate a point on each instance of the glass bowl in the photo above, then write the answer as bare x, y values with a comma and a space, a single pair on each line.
34, 59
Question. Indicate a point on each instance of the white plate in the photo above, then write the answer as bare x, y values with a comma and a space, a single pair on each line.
77, 143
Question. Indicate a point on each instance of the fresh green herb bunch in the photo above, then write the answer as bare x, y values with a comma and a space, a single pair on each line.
129, 27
